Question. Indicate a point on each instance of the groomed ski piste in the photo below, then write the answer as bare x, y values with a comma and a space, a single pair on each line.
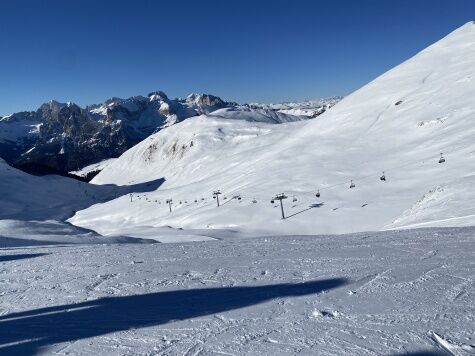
106, 268
390, 293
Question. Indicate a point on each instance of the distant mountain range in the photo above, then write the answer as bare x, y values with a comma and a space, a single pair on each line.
62, 137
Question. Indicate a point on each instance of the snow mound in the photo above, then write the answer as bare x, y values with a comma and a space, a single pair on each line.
16, 233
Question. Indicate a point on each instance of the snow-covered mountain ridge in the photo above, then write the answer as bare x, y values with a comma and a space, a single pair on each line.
60, 137
399, 123
310, 108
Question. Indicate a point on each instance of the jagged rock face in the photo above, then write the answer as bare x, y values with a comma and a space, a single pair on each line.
62, 137
205, 103
68, 137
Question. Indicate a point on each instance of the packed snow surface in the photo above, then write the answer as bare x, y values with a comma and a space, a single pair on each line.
386, 293
398, 124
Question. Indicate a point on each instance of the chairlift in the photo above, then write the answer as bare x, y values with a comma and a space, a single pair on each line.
383, 177
318, 194
352, 185
441, 159
294, 199
272, 201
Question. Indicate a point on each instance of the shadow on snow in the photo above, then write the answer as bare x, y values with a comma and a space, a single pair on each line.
6, 258
86, 195
26, 333
312, 206
424, 353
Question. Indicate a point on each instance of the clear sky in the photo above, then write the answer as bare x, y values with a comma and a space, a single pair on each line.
86, 51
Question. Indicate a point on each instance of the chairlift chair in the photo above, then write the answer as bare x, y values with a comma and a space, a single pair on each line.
441, 159
383, 177
318, 194
294, 199
352, 185
272, 201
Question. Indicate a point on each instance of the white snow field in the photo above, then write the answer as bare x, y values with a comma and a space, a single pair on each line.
404, 292
399, 124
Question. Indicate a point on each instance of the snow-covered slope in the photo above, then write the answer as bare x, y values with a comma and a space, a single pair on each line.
399, 123
33, 208
256, 115
386, 293
16, 233
196, 150
95, 167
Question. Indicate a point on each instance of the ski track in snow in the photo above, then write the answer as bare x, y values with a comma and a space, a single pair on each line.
394, 300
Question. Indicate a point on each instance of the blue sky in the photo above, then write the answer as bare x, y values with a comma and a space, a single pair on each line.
87, 51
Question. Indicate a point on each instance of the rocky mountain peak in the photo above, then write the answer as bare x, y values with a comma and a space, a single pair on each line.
205, 99
157, 95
